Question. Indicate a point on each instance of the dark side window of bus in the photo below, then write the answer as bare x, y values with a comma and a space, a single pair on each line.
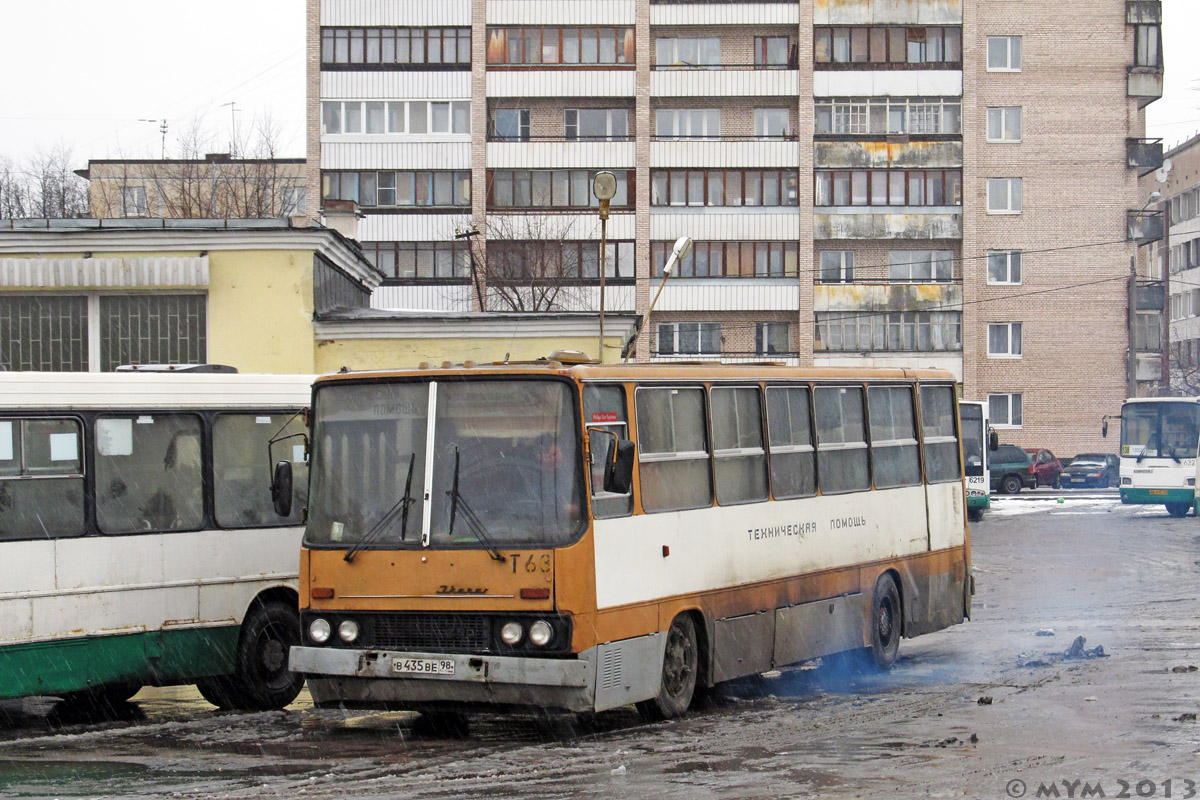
148, 473
604, 410
738, 456
841, 440
793, 473
41, 478
937, 433
242, 468
894, 457
673, 449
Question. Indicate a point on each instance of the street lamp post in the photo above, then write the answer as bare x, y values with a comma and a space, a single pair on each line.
604, 186
679, 251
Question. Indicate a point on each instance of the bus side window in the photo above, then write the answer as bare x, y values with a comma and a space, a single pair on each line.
604, 410
242, 470
937, 429
894, 457
673, 449
41, 479
148, 473
793, 472
739, 458
841, 440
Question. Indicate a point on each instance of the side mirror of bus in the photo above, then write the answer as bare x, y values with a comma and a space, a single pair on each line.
618, 467
993, 441
281, 488
1104, 428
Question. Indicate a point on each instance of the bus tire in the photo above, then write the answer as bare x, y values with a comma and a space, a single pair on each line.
1178, 509
885, 623
974, 514
678, 680
219, 691
262, 680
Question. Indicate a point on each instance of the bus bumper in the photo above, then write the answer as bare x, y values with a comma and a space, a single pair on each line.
1140, 496
366, 677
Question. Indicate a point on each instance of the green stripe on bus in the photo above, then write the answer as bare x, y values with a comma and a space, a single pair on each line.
1157, 496
978, 502
161, 657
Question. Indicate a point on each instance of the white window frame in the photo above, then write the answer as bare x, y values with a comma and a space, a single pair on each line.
1002, 116
666, 52
1012, 340
845, 266
1009, 260
909, 260
138, 201
523, 124
292, 201
673, 330
762, 331
1006, 421
684, 117
997, 186
1008, 54
571, 125
359, 107
765, 117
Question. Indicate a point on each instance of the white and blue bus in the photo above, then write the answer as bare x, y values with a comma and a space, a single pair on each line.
1159, 437
138, 544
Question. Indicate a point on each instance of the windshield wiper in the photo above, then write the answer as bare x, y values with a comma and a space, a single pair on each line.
473, 522
401, 507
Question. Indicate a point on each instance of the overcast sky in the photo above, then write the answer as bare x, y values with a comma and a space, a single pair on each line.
82, 73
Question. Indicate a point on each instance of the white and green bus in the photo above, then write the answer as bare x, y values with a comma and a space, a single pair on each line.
976, 442
1159, 437
138, 543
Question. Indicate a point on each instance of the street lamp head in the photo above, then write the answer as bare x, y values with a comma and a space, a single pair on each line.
604, 185
679, 251
1155, 196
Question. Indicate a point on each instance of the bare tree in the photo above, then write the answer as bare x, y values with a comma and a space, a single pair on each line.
44, 186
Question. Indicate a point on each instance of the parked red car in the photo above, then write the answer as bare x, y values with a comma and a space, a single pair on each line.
1046, 469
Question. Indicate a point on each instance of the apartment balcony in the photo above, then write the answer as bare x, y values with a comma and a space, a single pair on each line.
729, 294
1143, 12
724, 14
895, 12
411, 227
560, 12
887, 83
748, 224
725, 151
890, 296
912, 223
725, 80
1145, 155
555, 82
884, 155
1144, 227
411, 13
561, 153
1145, 83
370, 85
367, 152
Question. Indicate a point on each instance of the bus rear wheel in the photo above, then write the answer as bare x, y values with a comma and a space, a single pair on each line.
885, 623
678, 680
974, 514
1178, 509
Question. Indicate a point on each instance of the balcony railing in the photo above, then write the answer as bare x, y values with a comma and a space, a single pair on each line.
1144, 154
723, 67
782, 137
496, 137
1144, 227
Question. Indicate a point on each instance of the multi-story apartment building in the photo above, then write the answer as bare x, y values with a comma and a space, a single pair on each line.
887, 182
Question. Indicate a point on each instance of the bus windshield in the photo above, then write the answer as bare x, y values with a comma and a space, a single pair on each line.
972, 439
1166, 430
506, 465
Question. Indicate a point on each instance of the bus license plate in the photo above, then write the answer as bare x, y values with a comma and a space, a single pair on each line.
1158, 491
423, 666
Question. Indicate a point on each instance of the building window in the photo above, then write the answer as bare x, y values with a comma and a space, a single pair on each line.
152, 329
883, 115
689, 338
1004, 124
565, 260
887, 45
1004, 195
897, 331
772, 123
1004, 266
510, 124
1004, 410
560, 46
1004, 53
133, 201
407, 117
395, 48
729, 187
771, 338
687, 123
774, 52
920, 265
837, 266
888, 187
399, 189
687, 52
1149, 331
45, 333
1147, 50
557, 188
597, 124
1004, 340
731, 260
292, 201
420, 260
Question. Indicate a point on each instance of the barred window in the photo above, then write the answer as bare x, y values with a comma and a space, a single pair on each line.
152, 329
905, 331
44, 333
731, 260
396, 48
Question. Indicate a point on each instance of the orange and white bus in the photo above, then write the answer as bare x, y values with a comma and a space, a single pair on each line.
586, 536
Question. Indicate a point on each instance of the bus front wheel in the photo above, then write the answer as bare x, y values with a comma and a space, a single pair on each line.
678, 683
885, 623
1178, 509
261, 680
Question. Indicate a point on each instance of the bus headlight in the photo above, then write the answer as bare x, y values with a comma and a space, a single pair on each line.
540, 633
511, 633
348, 630
318, 631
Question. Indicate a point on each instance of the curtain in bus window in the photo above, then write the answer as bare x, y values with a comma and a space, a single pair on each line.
1179, 430
894, 457
242, 466
790, 435
841, 440
148, 473
673, 449
739, 458
937, 432
604, 413
41, 479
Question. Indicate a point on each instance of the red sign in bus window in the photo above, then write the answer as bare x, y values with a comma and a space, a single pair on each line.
605, 416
